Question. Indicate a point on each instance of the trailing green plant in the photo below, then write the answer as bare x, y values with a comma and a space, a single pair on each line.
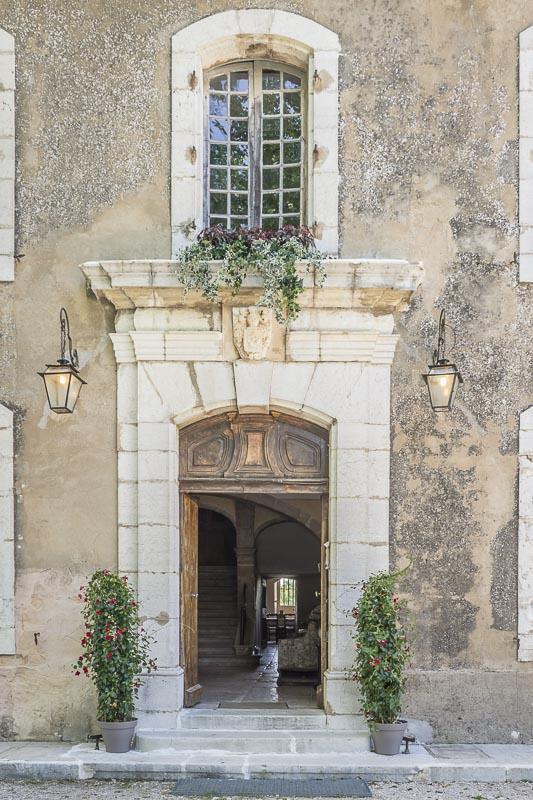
273, 254
381, 648
115, 646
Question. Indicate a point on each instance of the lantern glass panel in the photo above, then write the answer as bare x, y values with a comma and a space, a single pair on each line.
442, 382
63, 386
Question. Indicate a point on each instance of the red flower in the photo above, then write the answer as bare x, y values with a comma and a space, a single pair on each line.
108, 638
86, 670
84, 641
382, 642
97, 611
77, 672
106, 572
112, 601
374, 662
109, 655
80, 597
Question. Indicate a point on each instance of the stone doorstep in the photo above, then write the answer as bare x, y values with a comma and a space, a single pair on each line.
54, 761
256, 742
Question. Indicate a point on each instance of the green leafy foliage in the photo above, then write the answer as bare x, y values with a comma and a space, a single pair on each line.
382, 650
272, 254
115, 646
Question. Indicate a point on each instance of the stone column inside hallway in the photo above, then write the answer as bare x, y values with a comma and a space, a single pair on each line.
246, 580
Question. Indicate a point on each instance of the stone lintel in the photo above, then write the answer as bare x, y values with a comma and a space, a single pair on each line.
378, 286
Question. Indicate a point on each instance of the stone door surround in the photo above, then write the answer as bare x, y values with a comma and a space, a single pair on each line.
177, 363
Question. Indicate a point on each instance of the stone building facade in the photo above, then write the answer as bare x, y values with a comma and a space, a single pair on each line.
417, 128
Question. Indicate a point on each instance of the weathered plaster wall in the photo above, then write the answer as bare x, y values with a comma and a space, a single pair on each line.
428, 162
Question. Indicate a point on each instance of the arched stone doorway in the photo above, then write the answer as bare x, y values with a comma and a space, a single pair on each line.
243, 457
177, 364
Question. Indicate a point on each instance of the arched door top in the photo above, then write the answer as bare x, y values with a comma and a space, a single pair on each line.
254, 448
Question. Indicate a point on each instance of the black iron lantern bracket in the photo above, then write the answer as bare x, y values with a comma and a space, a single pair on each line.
72, 359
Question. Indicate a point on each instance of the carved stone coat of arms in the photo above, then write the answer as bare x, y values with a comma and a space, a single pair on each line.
252, 331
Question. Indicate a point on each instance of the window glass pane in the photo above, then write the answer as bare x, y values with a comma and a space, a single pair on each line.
219, 179
218, 105
291, 81
271, 129
239, 222
239, 155
239, 131
291, 177
270, 222
271, 103
271, 79
218, 154
218, 130
291, 202
291, 221
291, 152
220, 83
292, 127
292, 103
239, 203
239, 81
219, 221
271, 179
271, 153
239, 178
238, 105
218, 203
270, 203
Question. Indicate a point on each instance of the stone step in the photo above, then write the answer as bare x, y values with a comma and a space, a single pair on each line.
255, 741
224, 648
212, 600
253, 719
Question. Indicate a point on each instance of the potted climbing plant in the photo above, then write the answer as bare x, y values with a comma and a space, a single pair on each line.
115, 650
270, 253
381, 656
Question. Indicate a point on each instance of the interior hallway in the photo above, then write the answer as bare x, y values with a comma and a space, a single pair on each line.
257, 685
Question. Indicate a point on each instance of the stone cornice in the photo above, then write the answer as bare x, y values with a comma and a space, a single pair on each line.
380, 286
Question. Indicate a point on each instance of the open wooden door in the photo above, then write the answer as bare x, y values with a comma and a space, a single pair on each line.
324, 579
189, 598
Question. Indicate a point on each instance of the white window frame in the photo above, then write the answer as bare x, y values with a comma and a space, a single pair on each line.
7, 156
244, 36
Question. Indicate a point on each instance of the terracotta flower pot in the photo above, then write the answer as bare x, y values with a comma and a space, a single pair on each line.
388, 738
118, 735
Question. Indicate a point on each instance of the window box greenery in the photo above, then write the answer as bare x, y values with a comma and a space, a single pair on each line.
271, 254
381, 655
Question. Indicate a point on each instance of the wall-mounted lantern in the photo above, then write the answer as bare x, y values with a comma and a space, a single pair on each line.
443, 377
62, 380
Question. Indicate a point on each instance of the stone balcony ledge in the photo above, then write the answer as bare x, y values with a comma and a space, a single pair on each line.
379, 286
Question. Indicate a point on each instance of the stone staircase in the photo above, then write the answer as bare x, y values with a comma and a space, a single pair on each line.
285, 732
217, 615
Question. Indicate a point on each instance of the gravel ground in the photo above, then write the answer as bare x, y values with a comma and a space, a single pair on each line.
155, 790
